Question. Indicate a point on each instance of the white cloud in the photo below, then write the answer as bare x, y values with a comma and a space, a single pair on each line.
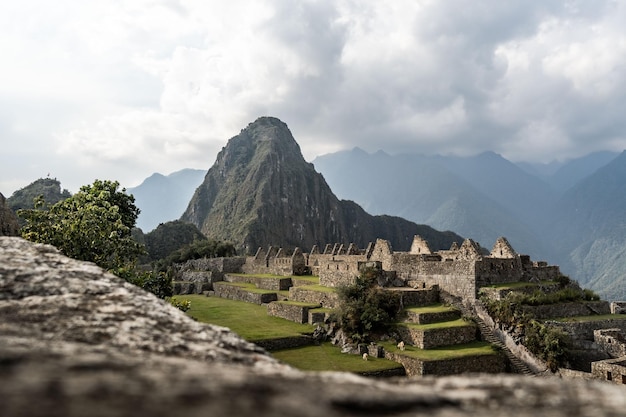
149, 85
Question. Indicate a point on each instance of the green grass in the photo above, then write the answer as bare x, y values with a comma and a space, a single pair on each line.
299, 303
327, 357
318, 288
313, 279
517, 285
444, 352
434, 308
582, 319
438, 325
250, 321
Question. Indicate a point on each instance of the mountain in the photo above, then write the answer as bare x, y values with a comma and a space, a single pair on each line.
483, 197
578, 169
590, 227
164, 198
48, 188
572, 214
261, 192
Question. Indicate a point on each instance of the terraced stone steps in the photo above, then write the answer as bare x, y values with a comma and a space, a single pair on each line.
432, 335
431, 314
244, 292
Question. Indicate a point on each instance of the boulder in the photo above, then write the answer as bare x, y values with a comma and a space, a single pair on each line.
78, 341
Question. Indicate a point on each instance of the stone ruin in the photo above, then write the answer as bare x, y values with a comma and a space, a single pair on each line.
78, 341
461, 270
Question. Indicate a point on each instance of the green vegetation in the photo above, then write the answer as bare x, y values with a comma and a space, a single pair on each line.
93, 225
444, 352
169, 237
582, 319
298, 303
437, 325
519, 285
250, 321
47, 189
196, 249
434, 308
318, 288
548, 342
182, 304
365, 308
326, 357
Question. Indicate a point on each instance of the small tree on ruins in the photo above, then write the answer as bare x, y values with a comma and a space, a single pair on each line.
366, 309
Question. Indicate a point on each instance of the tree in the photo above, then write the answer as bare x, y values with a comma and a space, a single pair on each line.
92, 225
366, 308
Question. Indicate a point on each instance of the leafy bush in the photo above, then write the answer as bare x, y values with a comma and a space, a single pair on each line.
196, 250
183, 305
365, 308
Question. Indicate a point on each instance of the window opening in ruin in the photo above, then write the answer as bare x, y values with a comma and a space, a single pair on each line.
623, 379
609, 376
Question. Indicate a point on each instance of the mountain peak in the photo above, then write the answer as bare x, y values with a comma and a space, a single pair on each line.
262, 192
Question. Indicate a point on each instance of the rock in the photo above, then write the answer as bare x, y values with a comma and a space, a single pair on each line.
8, 220
77, 341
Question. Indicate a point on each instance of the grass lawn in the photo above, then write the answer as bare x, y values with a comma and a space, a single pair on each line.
317, 287
250, 321
438, 325
313, 279
517, 285
581, 319
327, 357
444, 352
434, 308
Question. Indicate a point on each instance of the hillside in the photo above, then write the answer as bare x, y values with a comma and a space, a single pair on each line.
164, 198
460, 194
8, 220
590, 229
49, 188
261, 191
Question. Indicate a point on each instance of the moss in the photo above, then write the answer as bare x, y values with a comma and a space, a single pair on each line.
433, 308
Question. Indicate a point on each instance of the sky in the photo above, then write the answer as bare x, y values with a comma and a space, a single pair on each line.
119, 89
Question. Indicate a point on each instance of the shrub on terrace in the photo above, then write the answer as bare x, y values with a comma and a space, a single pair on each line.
365, 308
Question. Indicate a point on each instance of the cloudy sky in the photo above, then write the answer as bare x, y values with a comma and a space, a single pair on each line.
119, 89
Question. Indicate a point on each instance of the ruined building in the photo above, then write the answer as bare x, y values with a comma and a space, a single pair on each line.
461, 270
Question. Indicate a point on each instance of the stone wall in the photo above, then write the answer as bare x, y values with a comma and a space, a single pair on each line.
417, 297
231, 292
610, 341
470, 364
265, 283
304, 295
296, 312
618, 307
427, 318
550, 311
285, 342
431, 338
336, 273
582, 332
611, 370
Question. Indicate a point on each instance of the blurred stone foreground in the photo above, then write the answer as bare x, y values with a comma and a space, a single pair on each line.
76, 341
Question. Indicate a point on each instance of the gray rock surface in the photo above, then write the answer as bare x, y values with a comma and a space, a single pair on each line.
76, 341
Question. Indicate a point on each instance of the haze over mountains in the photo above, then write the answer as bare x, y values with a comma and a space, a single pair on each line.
572, 216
